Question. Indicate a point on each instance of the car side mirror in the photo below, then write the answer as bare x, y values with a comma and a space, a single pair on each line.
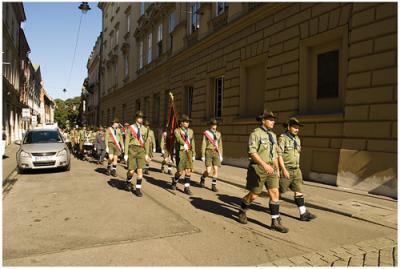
17, 142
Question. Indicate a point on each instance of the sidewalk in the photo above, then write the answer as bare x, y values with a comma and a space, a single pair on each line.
9, 160
361, 205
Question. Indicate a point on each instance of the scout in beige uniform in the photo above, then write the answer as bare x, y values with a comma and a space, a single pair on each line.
165, 153
82, 136
114, 147
263, 170
151, 140
289, 161
136, 153
187, 153
211, 153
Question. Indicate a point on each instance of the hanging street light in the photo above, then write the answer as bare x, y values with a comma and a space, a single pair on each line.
84, 7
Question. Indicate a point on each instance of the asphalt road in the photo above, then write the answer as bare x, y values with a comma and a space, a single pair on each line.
83, 217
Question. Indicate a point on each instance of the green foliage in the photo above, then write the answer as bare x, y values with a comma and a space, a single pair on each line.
66, 112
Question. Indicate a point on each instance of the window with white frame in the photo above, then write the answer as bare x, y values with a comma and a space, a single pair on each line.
218, 96
159, 39
128, 23
149, 47
126, 64
171, 21
141, 8
221, 7
194, 17
141, 55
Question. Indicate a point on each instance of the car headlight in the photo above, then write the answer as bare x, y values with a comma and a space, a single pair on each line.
62, 153
24, 154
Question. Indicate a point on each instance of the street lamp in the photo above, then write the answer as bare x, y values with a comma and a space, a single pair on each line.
84, 7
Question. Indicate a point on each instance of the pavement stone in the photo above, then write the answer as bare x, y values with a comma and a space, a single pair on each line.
300, 261
357, 260
371, 259
341, 263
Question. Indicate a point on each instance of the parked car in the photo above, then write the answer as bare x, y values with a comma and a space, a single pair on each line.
43, 149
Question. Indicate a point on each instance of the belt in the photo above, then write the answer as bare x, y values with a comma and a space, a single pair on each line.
293, 168
139, 146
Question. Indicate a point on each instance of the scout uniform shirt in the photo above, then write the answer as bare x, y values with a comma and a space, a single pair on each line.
215, 136
263, 142
290, 149
189, 136
110, 142
131, 140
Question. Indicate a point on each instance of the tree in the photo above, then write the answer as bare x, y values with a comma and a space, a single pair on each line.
66, 112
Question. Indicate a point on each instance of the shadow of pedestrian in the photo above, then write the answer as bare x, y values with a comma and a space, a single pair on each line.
5, 157
118, 184
237, 201
213, 207
101, 170
157, 182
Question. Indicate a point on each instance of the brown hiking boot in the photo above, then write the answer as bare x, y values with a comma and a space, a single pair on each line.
242, 217
276, 225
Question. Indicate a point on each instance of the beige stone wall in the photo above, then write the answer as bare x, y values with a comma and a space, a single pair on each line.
351, 143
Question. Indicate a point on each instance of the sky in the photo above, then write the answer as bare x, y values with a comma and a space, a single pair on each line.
51, 30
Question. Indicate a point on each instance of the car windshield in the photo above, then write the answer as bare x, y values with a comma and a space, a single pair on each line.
42, 137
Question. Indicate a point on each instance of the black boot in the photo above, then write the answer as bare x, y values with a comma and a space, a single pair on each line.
276, 225
138, 193
162, 169
242, 217
202, 182
307, 216
108, 171
188, 191
114, 172
129, 186
169, 171
214, 188
173, 185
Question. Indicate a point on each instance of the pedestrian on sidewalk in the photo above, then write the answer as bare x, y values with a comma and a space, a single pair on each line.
165, 153
136, 154
114, 147
151, 140
289, 161
100, 145
211, 153
263, 170
187, 152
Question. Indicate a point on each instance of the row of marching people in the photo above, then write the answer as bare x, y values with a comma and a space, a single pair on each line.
274, 162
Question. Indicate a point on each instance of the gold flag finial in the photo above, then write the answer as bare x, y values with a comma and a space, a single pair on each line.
171, 95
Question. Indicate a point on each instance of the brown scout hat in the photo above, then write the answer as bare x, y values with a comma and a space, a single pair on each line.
139, 114
292, 121
212, 121
266, 114
184, 118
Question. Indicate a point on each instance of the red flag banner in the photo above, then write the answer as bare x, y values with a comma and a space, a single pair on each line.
172, 124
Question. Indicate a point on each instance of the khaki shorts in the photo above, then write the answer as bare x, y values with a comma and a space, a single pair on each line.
212, 158
257, 178
294, 183
136, 158
113, 150
185, 160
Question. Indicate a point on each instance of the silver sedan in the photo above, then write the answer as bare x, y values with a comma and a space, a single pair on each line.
43, 149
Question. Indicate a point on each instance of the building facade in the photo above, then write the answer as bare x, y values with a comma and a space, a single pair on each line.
13, 15
332, 65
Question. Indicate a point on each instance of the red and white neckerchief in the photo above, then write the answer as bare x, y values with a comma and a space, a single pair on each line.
134, 131
186, 139
210, 138
114, 139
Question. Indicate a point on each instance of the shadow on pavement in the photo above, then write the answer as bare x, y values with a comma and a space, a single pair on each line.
157, 182
236, 201
5, 157
118, 184
101, 170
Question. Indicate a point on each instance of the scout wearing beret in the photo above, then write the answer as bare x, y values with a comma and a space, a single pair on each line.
187, 152
114, 146
211, 153
151, 140
263, 170
137, 152
289, 161
165, 153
